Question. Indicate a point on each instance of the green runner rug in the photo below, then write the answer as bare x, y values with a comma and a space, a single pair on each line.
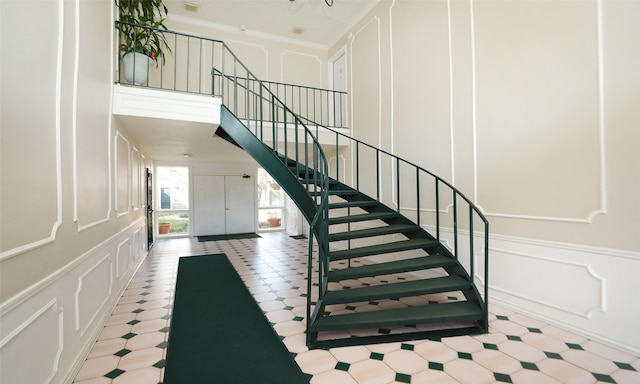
219, 334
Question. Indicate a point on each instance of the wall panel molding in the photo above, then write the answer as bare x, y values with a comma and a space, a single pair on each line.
283, 61
581, 288
123, 257
122, 167
93, 284
600, 153
58, 21
82, 222
43, 327
36, 315
374, 22
394, 197
248, 63
582, 276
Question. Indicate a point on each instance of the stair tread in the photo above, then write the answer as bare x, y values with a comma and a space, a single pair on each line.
370, 232
378, 249
398, 266
351, 204
342, 192
426, 314
397, 290
362, 217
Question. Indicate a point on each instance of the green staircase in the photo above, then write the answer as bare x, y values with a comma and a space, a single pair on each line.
432, 276
395, 251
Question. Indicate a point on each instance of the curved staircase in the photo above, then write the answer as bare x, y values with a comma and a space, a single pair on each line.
435, 295
380, 268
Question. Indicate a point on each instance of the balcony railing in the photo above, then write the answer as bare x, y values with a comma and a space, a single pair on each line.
200, 65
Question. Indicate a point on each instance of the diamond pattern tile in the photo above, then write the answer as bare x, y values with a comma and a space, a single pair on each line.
131, 349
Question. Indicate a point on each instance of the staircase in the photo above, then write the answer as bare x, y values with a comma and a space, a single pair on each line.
417, 288
395, 251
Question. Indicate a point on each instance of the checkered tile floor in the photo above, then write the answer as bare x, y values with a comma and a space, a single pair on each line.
518, 349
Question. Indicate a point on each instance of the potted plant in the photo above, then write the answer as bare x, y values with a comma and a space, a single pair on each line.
273, 219
164, 228
142, 39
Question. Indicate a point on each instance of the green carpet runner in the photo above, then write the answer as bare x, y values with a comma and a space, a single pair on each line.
219, 334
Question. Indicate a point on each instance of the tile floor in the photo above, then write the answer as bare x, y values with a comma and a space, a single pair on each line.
131, 348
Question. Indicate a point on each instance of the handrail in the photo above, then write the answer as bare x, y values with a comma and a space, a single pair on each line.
247, 101
474, 212
322, 106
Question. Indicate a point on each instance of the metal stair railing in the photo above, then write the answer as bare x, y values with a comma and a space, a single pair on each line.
324, 107
286, 133
271, 121
265, 115
188, 69
452, 200
423, 208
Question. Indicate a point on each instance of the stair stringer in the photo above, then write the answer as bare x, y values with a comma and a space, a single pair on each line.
234, 131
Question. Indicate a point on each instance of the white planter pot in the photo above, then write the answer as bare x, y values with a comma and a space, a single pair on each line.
136, 67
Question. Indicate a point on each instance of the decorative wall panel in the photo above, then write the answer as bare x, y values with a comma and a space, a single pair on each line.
92, 292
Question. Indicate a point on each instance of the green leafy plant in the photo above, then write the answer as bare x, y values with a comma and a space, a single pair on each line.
141, 27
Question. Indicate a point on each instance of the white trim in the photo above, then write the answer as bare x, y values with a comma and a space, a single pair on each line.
228, 44
602, 209
474, 102
395, 198
352, 39
117, 136
28, 293
53, 305
58, 159
451, 119
282, 61
74, 131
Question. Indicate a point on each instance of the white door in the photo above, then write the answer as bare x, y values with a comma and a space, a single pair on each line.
209, 205
240, 204
223, 204
339, 73
294, 217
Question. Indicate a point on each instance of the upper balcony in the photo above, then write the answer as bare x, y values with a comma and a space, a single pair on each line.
199, 75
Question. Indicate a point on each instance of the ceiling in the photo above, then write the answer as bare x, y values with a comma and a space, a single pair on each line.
311, 21
322, 25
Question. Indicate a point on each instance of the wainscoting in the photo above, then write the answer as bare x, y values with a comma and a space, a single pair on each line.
63, 314
587, 290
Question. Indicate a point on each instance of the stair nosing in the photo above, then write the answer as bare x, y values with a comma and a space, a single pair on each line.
434, 313
371, 232
362, 217
397, 290
396, 266
397, 246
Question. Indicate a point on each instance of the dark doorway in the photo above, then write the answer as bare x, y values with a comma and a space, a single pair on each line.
149, 209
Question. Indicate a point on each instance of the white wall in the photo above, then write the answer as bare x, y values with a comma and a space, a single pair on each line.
531, 109
72, 188
267, 59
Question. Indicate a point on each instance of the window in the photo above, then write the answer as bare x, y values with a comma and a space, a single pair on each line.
270, 202
172, 186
